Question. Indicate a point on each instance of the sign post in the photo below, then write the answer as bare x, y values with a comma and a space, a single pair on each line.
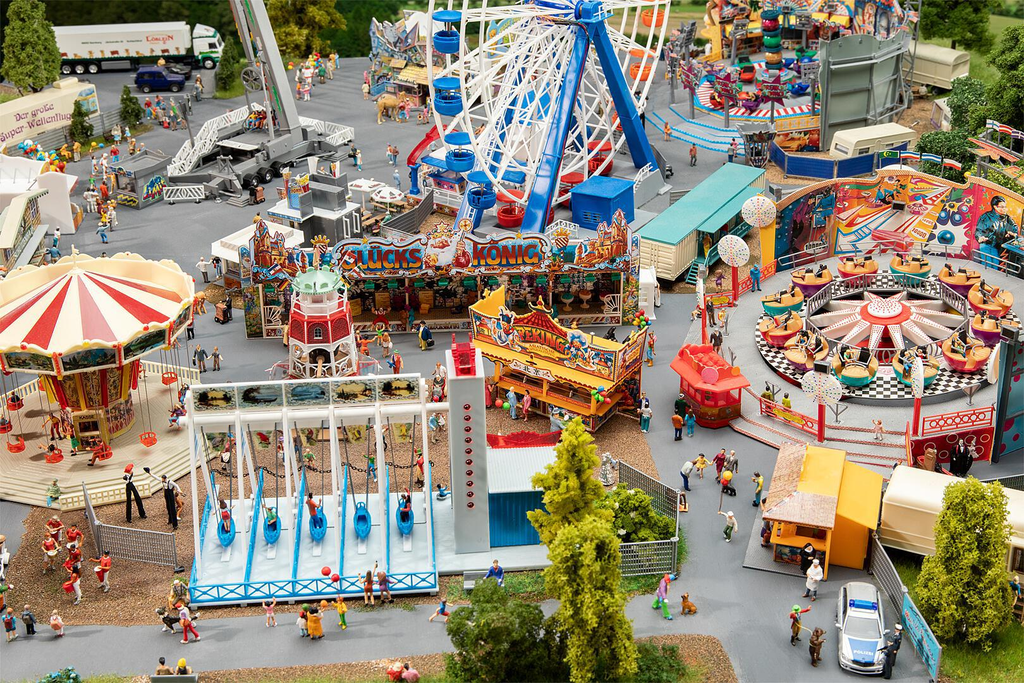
822, 388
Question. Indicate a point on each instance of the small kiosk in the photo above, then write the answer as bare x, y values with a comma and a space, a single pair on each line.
713, 388
140, 178
817, 497
568, 372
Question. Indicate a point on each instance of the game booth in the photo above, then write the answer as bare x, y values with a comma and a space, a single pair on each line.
712, 387
568, 372
589, 278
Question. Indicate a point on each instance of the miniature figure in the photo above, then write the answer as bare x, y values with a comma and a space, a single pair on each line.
758, 487
877, 429
10, 624
661, 597
53, 493
730, 525
313, 624
129, 492
685, 472
171, 492
817, 640
495, 571
677, 427
691, 421
187, 626
890, 650
50, 550
342, 609
103, 570
199, 357
814, 576
755, 278
383, 582
794, 623
688, 607
57, 624
645, 417
29, 620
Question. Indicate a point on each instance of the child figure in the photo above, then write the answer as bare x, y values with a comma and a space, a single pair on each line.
342, 608
57, 624
368, 586
877, 429
441, 611
271, 619
700, 463
301, 623
661, 597
29, 620
10, 624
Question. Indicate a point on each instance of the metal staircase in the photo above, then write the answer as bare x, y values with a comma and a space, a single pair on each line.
189, 155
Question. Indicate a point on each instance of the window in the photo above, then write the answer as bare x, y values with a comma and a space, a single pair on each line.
1017, 559
318, 332
863, 150
842, 149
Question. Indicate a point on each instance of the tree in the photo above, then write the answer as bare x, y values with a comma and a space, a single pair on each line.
962, 590
962, 21
131, 110
966, 97
299, 23
498, 638
230, 66
354, 39
80, 129
591, 617
1006, 95
634, 517
31, 57
570, 488
948, 144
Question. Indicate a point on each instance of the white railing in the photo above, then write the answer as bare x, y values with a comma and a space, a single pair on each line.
174, 193
336, 134
561, 224
188, 156
447, 198
642, 174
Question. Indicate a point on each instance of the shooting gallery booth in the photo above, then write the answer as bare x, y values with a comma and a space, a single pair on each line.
817, 497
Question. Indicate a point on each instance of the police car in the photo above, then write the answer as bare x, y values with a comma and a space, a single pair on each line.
861, 624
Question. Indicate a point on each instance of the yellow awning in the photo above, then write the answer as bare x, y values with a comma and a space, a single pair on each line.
414, 74
397, 63
558, 372
860, 495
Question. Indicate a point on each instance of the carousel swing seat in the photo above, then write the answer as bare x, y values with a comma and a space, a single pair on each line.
931, 370
271, 534
318, 525
226, 537
147, 439
168, 378
103, 452
988, 329
801, 355
404, 526
16, 446
854, 373
55, 456
361, 520
15, 403
992, 300
6, 427
777, 304
971, 358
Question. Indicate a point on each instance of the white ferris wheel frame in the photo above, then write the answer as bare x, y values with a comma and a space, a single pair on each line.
487, 85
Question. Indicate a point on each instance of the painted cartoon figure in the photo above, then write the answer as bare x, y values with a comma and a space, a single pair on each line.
577, 350
995, 227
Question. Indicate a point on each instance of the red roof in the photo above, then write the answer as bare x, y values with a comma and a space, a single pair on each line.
694, 359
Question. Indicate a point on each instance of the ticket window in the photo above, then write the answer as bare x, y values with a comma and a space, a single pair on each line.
90, 428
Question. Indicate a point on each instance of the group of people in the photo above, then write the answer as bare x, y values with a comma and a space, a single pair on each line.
315, 66
53, 545
178, 613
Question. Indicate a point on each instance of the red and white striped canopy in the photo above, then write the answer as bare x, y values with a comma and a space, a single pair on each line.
81, 301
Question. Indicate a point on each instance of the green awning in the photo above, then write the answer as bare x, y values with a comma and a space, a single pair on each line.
727, 212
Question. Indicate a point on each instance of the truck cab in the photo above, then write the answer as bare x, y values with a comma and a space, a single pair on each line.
206, 46
150, 78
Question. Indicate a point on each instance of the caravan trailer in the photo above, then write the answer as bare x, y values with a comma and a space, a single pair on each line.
938, 66
857, 142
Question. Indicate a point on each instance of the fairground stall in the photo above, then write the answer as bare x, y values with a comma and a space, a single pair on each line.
712, 387
585, 277
568, 372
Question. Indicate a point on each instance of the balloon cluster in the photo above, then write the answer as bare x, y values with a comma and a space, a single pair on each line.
640, 320
600, 395
726, 476
326, 571
32, 150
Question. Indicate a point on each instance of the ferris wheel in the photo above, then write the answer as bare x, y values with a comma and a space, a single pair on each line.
531, 99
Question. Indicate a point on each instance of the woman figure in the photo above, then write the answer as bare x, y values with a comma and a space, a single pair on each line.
57, 624
527, 400
271, 619
368, 587
700, 463
313, 625
225, 516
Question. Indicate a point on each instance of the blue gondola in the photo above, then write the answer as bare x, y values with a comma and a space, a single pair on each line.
270, 535
405, 528
318, 525
361, 519
226, 537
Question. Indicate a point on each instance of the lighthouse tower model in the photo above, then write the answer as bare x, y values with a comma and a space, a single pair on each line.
321, 339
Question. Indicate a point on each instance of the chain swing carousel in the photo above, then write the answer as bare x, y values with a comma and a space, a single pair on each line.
83, 325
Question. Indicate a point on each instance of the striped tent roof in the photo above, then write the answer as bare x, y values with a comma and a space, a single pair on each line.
81, 300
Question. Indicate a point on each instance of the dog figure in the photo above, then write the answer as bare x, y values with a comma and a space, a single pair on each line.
688, 607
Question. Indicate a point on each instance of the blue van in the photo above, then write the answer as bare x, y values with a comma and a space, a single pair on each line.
150, 78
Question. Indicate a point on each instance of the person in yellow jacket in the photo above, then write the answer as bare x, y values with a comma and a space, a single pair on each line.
313, 625
339, 604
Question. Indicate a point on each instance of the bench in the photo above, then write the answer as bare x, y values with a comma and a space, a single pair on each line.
469, 579
176, 678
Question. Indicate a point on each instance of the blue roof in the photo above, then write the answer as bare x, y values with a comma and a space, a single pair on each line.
603, 186
706, 207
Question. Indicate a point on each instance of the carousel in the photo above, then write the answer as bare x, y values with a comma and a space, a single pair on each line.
82, 326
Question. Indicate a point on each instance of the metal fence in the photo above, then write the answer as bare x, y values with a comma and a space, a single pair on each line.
1012, 481
651, 557
101, 123
815, 167
135, 545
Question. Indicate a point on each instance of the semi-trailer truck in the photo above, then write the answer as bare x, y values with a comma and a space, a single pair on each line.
95, 47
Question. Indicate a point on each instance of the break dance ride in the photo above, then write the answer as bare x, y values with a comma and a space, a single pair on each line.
536, 107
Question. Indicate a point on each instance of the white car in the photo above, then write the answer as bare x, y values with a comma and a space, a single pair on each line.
861, 623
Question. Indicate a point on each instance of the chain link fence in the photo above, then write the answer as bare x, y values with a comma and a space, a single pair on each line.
651, 557
126, 543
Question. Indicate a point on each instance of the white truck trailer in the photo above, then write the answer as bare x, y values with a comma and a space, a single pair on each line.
95, 47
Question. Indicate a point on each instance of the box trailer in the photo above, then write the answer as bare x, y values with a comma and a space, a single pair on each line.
95, 47
938, 66
856, 142
912, 503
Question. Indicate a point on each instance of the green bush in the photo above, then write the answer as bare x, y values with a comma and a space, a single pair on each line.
80, 129
634, 517
230, 66
658, 665
68, 675
131, 110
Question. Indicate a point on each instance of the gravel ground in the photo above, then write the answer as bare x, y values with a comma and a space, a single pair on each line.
703, 652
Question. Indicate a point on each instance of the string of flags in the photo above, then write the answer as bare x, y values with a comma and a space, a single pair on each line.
1003, 128
916, 157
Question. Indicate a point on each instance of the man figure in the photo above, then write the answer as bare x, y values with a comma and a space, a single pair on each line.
129, 491
814, 575
513, 402
680, 405
163, 669
204, 267
755, 278
170, 488
216, 357
677, 425
199, 357
685, 474
891, 650
716, 342
397, 177
425, 336
730, 525
719, 461
758, 487
218, 268
732, 463
693, 154
794, 623
817, 640
497, 573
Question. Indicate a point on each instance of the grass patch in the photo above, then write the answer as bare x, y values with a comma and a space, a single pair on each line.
980, 68
8, 96
236, 90
1002, 664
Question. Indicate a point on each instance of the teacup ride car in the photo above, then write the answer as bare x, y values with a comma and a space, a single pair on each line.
909, 270
852, 266
855, 366
987, 328
779, 329
902, 362
791, 299
802, 350
810, 281
960, 280
985, 298
965, 354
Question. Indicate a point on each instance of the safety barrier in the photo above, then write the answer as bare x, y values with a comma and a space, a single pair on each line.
301, 589
781, 413
958, 421
814, 167
651, 557
194, 193
127, 543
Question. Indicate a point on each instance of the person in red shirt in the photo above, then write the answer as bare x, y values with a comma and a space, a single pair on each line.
75, 535
103, 570
55, 528
49, 547
225, 515
794, 623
